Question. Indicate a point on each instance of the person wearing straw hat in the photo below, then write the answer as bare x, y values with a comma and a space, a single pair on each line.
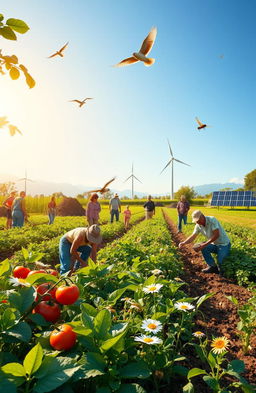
76, 246
217, 241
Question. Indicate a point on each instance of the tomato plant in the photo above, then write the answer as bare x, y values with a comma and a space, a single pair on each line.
67, 294
43, 288
63, 338
21, 272
50, 311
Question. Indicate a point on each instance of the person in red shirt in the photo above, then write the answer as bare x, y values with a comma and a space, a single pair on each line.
8, 205
52, 210
127, 215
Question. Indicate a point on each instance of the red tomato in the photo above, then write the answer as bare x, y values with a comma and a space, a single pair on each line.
42, 288
63, 338
4, 301
36, 271
21, 272
53, 272
67, 294
51, 312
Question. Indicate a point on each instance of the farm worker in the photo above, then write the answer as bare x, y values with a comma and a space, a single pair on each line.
51, 210
19, 213
115, 208
149, 207
8, 205
182, 208
76, 246
127, 215
217, 243
93, 209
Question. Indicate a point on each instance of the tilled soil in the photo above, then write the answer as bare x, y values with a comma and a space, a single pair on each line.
219, 316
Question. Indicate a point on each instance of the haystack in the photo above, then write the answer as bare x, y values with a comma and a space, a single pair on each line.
70, 207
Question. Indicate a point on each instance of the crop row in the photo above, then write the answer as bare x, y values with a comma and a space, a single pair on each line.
241, 263
132, 322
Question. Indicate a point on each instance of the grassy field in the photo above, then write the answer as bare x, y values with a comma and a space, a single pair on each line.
242, 217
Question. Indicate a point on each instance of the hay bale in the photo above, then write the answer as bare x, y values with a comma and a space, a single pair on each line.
70, 207
3, 211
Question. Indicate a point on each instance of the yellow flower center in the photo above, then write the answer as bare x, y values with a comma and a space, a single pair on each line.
152, 288
184, 307
148, 340
198, 333
152, 326
219, 344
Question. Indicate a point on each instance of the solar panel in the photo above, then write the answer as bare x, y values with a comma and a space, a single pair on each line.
233, 198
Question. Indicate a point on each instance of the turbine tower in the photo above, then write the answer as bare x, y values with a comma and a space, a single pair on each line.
25, 179
132, 176
171, 162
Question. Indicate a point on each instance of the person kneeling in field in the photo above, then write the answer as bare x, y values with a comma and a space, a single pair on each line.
217, 243
76, 246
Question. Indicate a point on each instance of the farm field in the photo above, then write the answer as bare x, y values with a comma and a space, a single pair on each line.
132, 332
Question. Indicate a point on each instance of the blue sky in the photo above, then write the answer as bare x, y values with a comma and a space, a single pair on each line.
136, 108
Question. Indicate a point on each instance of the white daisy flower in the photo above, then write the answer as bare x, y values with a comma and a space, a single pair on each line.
198, 334
151, 325
156, 271
152, 288
184, 306
18, 282
148, 340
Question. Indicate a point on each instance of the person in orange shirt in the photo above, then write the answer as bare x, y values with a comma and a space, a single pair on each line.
127, 215
8, 205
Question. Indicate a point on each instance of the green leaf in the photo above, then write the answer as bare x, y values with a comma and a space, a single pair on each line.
21, 332
53, 373
89, 309
17, 25
1, 17
7, 33
118, 328
22, 300
149, 281
14, 73
194, 372
211, 360
93, 365
7, 319
8, 386
135, 370
203, 298
102, 323
237, 366
131, 388
41, 277
212, 382
86, 319
4, 267
189, 388
15, 369
114, 296
33, 360
233, 299
25, 253
180, 370
103, 389
111, 342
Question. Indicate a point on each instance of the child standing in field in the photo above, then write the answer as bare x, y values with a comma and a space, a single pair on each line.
127, 215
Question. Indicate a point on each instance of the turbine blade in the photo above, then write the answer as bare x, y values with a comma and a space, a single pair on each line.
166, 165
181, 162
137, 179
170, 147
128, 178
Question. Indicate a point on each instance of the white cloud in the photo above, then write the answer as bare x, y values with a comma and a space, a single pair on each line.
236, 180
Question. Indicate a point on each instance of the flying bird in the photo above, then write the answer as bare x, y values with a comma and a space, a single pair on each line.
143, 52
103, 189
59, 52
81, 103
201, 125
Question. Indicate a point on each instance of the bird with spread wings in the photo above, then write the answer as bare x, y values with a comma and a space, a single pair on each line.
81, 103
201, 125
59, 52
101, 190
143, 52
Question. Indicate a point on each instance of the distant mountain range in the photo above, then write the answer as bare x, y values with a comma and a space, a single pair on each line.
206, 189
48, 188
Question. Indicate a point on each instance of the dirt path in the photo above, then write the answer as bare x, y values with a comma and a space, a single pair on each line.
219, 314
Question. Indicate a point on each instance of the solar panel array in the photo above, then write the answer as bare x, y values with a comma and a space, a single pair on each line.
234, 198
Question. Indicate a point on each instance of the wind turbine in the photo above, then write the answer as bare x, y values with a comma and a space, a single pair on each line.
132, 176
25, 179
171, 162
